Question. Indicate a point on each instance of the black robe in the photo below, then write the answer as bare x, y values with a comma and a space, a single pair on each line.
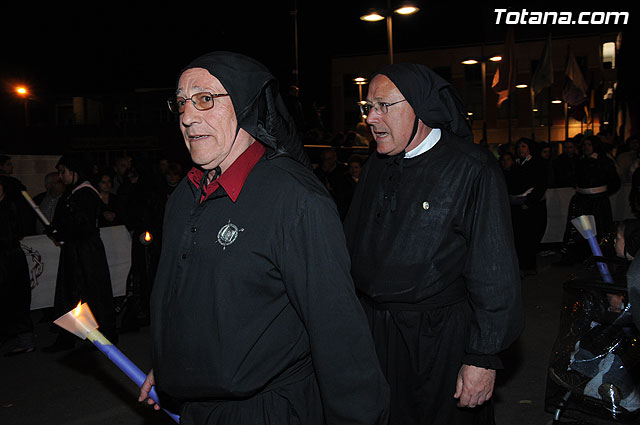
15, 284
254, 315
83, 271
528, 213
591, 172
434, 264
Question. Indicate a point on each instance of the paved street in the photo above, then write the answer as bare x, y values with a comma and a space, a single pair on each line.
83, 387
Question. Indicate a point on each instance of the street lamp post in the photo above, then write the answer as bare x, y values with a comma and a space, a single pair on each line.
360, 81
374, 16
483, 77
23, 92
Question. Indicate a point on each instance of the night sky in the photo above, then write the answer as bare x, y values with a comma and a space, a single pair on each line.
104, 46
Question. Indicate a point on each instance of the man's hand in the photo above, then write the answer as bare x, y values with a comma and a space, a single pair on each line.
146, 388
474, 386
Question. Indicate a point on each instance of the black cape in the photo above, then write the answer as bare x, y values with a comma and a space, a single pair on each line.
83, 271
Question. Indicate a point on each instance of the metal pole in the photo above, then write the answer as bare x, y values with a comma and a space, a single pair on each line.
533, 118
295, 36
509, 117
550, 123
390, 37
483, 67
566, 121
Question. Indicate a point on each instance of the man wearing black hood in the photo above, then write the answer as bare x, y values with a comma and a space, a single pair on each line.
432, 252
253, 313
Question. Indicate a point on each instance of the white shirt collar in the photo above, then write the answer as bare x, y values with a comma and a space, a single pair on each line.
430, 141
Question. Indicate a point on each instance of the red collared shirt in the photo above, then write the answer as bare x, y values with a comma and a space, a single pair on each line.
234, 177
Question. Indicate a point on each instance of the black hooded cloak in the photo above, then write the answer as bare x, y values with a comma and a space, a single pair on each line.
433, 258
83, 271
253, 312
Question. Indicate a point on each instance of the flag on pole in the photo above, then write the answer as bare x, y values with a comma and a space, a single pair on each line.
504, 78
543, 75
575, 88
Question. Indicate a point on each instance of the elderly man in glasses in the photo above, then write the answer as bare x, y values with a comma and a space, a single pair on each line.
254, 315
432, 252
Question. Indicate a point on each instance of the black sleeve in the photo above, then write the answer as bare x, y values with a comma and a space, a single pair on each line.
315, 269
80, 218
491, 273
540, 183
633, 286
613, 178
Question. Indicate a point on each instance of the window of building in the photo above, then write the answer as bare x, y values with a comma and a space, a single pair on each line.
609, 55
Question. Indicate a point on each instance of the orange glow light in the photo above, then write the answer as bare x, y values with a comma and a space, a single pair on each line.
147, 236
76, 311
22, 91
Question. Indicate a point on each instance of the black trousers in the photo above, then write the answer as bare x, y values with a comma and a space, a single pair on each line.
529, 226
420, 353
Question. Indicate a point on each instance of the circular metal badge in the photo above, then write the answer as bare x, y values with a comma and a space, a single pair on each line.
228, 234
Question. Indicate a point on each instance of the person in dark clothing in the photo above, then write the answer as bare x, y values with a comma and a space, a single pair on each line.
15, 285
254, 318
332, 174
544, 155
596, 180
564, 166
47, 200
83, 271
111, 211
432, 251
13, 188
528, 185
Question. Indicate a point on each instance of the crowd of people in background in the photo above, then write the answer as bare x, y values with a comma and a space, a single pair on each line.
591, 164
133, 193
112, 194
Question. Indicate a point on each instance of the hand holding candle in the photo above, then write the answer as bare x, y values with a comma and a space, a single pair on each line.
80, 322
36, 208
587, 228
51, 230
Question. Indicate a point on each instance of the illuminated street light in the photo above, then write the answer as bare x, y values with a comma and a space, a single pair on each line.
375, 16
483, 76
521, 86
23, 92
372, 17
360, 81
406, 10
556, 101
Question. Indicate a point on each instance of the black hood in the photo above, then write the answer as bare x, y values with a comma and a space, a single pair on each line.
258, 105
432, 98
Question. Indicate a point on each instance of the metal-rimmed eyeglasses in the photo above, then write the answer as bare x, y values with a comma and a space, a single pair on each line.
380, 107
201, 101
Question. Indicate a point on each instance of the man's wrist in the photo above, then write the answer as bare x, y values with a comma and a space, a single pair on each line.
487, 361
